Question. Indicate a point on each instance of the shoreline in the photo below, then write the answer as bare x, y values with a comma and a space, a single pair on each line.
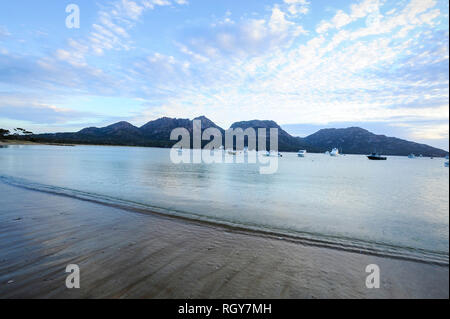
123, 254
19, 142
341, 244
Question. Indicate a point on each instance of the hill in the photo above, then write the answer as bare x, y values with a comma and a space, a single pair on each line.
355, 140
352, 140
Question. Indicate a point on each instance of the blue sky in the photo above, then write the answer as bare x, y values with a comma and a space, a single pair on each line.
382, 65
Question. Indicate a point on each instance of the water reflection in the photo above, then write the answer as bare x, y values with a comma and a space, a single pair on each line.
400, 201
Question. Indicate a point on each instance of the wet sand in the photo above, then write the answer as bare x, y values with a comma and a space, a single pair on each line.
123, 254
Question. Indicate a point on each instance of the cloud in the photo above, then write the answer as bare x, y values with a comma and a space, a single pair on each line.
59, 74
69, 68
355, 67
341, 19
4, 32
111, 30
247, 37
358, 10
36, 110
159, 68
353, 74
430, 131
41, 113
297, 7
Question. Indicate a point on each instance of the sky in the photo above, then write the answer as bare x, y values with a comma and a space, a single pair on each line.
306, 64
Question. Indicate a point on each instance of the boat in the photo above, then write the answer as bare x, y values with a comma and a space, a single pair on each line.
301, 153
273, 154
334, 152
411, 156
376, 157
327, 153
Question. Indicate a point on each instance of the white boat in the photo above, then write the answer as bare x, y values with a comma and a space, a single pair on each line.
411, 156
301, 153
334, 152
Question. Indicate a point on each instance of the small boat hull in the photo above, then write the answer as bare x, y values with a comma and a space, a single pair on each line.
377, 158
272, 154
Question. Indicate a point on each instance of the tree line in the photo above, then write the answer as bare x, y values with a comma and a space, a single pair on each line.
17, 132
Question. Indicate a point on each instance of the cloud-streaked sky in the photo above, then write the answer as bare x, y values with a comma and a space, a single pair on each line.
306, 64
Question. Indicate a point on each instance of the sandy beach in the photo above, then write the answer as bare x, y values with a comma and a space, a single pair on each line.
124, 254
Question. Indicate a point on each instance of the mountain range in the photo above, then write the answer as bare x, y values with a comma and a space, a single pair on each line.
352, 140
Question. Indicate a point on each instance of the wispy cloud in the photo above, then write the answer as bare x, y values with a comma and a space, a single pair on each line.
4, 32
36, 113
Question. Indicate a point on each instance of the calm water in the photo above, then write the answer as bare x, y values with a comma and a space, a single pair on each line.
396, 204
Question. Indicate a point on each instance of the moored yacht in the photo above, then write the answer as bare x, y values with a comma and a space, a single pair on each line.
334, 152
301, 153
376, 157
